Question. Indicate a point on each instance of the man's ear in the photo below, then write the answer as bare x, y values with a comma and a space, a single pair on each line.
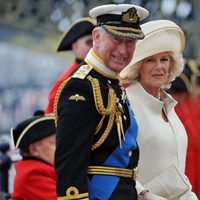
33, 149
74, 46
96, 36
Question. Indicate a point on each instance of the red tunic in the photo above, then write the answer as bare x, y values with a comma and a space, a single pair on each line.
188, 111
34, 180
53, 91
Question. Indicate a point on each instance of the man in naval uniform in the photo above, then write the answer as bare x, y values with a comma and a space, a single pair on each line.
97, 154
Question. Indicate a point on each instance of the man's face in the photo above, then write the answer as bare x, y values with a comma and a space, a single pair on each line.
82, 46
116, 52
45, 149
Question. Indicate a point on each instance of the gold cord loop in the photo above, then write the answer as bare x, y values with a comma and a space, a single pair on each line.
113, 109
110, 110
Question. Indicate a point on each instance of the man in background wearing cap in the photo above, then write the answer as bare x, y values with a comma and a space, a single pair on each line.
35, 175
77, 38
96, 150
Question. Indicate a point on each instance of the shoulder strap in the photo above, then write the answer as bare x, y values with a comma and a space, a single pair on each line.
82, 72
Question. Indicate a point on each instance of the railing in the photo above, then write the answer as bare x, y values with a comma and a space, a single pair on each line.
5, 164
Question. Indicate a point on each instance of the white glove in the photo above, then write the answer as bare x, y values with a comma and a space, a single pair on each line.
146, 195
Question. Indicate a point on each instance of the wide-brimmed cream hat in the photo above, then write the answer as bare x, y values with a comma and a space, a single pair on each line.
160, 36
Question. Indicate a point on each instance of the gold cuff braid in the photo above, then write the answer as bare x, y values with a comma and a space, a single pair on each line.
113, 171
73, 193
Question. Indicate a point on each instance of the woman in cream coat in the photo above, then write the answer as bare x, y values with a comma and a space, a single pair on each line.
162, 137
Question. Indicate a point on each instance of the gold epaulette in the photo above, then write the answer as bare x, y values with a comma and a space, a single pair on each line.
82, 72
73, 193
190, 83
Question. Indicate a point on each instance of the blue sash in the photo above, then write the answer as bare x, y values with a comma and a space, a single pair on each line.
102, 186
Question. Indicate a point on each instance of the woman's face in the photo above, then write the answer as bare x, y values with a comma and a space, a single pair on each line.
154, 71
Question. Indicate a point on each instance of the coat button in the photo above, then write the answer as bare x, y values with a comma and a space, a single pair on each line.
130, 153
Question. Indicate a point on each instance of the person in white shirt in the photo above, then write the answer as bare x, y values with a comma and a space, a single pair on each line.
162, 138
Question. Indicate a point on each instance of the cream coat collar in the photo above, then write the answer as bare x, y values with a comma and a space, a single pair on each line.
156, 105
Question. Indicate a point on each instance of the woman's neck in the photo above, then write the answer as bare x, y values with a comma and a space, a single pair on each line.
152, 90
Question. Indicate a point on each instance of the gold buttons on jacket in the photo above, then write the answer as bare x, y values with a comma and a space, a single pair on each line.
130, 153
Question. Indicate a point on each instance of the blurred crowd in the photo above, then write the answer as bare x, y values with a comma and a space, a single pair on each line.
49, 21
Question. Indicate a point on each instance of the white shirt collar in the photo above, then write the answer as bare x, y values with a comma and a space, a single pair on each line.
98, 64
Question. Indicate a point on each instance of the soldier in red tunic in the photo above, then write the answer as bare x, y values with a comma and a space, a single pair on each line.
186, 90
78, 38
35, 175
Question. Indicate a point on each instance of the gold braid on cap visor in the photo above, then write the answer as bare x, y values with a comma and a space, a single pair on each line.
130, 32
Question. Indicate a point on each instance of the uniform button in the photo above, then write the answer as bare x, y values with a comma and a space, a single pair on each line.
130, 153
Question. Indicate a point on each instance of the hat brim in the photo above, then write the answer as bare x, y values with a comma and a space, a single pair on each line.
32, 130
78, 29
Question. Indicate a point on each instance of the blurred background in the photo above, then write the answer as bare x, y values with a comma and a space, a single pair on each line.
30, 31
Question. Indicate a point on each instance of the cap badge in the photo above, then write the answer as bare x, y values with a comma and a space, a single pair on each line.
130, 16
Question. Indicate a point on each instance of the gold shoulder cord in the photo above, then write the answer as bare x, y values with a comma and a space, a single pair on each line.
57, 98
81, 73
195, 73
110, 110
191, 83
187, 82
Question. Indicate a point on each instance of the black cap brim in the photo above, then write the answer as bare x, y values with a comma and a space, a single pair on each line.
32, 130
